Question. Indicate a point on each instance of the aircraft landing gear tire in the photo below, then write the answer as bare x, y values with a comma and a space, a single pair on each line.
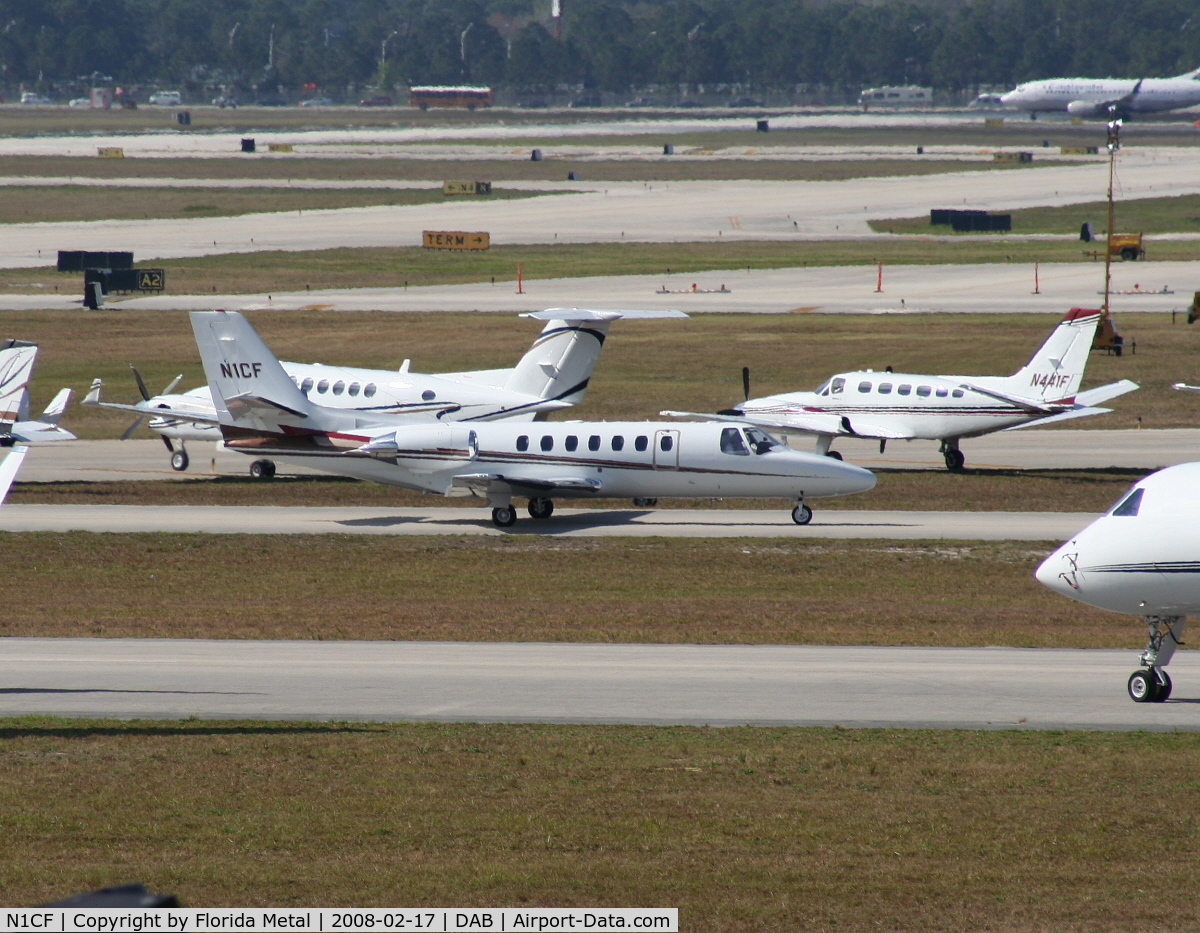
1144, 687
955, 460
504, 516
1164, 686
179, 461
802, 514
833, 454
541, 508
262, 469
645, 503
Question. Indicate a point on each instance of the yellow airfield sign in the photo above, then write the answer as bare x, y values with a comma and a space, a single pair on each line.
454, 239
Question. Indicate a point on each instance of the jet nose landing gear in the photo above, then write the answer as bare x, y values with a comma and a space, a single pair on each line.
1152, 684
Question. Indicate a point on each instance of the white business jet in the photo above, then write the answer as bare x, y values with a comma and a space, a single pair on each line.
17, 431
1099, 97
553, 374
904, 406
263, 411
1140, 558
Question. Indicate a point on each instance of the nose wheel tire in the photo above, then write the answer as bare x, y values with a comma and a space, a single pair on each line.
504, 517
955, 460
541, 508
179, 461
1149, 686
262, 469
802, 514
833, 455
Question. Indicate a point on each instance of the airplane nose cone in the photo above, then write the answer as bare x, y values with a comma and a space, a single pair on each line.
848, 478
1058, 573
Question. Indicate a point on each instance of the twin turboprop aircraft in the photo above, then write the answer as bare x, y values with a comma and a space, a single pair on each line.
903, 406
262, 411
553, 374
16, 430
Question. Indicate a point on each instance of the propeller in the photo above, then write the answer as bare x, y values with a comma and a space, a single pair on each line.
146, 396
746, 381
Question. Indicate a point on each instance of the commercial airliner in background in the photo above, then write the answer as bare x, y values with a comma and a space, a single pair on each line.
16, 430
1141, 558
903, 406
553, 374
263, 411
1093, 97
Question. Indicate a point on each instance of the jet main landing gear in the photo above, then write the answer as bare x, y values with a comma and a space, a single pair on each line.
1151, 684
540, 508
504, 516
953, 456
179, 460
263, 469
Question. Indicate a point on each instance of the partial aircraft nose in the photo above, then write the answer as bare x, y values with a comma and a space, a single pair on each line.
1012, 97
842, 479
1060, 571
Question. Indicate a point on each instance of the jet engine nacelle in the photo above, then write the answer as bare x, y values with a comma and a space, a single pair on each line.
1086, 108
453, 441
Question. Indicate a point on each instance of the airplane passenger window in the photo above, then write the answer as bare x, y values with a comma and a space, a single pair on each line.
885, 388
594, 442
323, 386
339, 387
306, 384
572, 442
957, 393
428, 395
837, 385
523, 442
904, 390
547, 442
354, 387
666, 442
732, 443
941, 392
369, 390
1129, 508
864, 387
923, 391
640, 442
618, 442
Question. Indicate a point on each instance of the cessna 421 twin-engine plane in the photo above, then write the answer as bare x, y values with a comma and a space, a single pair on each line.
16, 430
553, 374
1140, 558
263, 412
904, 406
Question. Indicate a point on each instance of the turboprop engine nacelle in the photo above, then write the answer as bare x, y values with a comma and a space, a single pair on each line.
448, 441
1085, 108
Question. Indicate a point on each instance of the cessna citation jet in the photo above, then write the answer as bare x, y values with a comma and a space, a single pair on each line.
553, 374
1140, 558
903, 406
16, 430
1091, 97
262, 411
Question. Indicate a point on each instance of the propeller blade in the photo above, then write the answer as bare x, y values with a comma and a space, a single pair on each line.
140, 384
746, 381
133, 427
172, 384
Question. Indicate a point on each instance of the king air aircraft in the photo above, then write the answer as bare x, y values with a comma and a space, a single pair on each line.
1092, 97
903, 406
1140, 558
16, 430
263, 412
553, 374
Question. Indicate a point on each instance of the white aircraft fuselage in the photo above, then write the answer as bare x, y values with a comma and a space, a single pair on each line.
1089, 96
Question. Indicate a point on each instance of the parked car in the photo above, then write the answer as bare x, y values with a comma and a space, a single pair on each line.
317, 102
381, 101
225, 101
80, 102
34, 99
166, 98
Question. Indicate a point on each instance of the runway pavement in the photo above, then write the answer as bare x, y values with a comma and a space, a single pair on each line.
567, 522
720, 685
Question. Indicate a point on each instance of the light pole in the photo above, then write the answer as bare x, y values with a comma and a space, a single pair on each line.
383, 57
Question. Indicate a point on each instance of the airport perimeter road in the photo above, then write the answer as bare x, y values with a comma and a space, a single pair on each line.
100, 461
988, 688
567, 522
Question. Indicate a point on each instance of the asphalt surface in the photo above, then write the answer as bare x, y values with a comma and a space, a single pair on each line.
721, 685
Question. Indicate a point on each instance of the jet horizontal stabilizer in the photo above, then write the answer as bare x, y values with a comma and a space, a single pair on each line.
1028, 405
247, 406
1082, 412
1102, 394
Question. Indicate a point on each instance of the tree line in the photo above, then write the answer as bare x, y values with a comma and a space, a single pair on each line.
615, 46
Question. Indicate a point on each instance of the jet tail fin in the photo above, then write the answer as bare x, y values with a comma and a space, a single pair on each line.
1055, 371
560, 362
57, 406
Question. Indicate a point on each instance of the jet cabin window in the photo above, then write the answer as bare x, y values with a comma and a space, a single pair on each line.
523, 443
547, 442
618, 442
941, 392
1130, 505
306, 385
640, 442
904, 390
572, 442
924, 391
864, 387
354, 387
885, 388
594, 442
732, 443
666, 442
957, 393
339, 387
369, 390
323, 386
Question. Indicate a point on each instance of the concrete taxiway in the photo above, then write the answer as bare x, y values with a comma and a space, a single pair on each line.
721, 685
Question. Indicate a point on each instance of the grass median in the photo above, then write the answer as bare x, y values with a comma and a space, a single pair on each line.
745, 829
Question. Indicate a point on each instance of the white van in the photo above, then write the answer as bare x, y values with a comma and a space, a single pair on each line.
166, 98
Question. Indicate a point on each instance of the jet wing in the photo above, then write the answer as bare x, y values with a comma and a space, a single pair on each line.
809, 423
1102, 394
482, 484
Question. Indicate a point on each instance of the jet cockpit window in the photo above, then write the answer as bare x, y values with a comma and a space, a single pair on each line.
594, 442
547, 442
924, 391
837, 385
864, 387
641, 442
760, 441
904, 390
369, 390
523, 442
339, 387
323, 386
306, 384
732, 443
1129, 505
941, 391
885, 388
354, 387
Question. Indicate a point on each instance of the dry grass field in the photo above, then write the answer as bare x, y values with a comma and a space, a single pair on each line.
713, 591
696, 363
741, 829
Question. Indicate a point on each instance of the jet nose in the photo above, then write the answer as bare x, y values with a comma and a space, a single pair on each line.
1059, 572
848, 478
